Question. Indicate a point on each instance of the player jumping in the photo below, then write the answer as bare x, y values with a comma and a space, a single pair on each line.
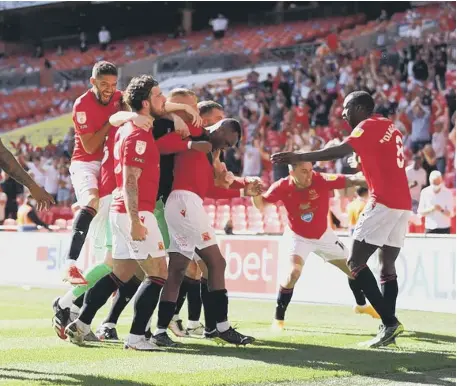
384, 220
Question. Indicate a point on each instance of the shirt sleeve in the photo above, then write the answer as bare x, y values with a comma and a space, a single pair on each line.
274, 193
422, 202
358, 139
172, 143
334, 181
82, 120
217, 192
238, 183
135, 152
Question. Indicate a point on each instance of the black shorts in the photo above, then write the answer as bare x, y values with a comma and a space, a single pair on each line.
219, 34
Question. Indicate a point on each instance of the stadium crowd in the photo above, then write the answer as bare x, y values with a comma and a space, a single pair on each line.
300, 106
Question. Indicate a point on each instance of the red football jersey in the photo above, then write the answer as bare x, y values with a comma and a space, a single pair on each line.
136, 147
107, 178
380, 147
192, 171
89, 115
307, 209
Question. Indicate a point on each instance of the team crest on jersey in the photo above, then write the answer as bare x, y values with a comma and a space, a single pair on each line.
140, 147
329, 177
357, 132
81, 117
206, 236
307, 217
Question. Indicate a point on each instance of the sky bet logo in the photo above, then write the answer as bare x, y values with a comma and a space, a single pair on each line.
49, 255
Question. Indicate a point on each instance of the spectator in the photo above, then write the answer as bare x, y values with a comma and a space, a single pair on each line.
104, 38
37, 171
83, 42
27, 217
252, 159
50, 148
64, 187
219, 25
439, 140
420, 121
3, 202
355, 208
383, 16
436, 205
59, 51
417, 180
51, 174
420, 69
12, 189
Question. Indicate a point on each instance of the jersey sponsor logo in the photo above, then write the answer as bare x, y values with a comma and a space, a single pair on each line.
305, 206
140, 147
206, 236
329, 177
140, 160
81, 117
357, 132
161, 246
307, 217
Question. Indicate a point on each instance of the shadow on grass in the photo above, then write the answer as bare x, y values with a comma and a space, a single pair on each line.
67, 379
384, 364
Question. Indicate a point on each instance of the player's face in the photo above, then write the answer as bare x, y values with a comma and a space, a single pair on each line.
303, 174
212, 117
156, 102
224, 139
349, 112
105, 86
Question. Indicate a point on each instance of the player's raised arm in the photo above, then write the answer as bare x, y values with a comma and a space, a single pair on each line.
331, 153
9, 164
121, 117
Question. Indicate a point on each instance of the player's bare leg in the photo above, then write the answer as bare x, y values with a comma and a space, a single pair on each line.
286, 291
362, 307
88, 203
361, 252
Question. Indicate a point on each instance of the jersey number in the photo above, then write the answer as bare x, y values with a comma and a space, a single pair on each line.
400, 154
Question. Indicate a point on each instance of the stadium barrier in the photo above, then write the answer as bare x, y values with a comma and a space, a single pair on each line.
255, 264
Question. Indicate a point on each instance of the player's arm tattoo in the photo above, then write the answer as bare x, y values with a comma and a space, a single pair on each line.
9, 164
329, 154
130, 177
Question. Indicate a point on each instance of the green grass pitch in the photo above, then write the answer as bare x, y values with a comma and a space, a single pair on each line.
319, 346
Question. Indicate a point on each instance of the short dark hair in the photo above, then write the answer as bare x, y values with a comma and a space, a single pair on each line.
139, 90
103, 68
205, 107
362, 191
364, 99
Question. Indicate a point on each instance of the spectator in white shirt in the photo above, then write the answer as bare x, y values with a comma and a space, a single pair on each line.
51, 181
104, 38
64, 188
436, 205
252, 160
439, 139
417, 179
219, 25
37, 171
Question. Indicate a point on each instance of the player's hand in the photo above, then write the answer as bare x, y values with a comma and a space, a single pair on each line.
353, 161
218, 166
143, 121
287, 157
43, 199
181, 127
223, 179
203, 146
138, 231
196, 119
252, 189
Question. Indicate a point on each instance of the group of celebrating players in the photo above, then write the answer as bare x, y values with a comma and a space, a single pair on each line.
141, 168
